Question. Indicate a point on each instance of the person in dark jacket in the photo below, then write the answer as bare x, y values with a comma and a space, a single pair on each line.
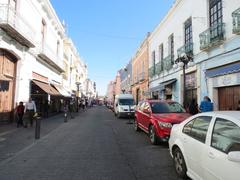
193, 107
20, 112
206, 105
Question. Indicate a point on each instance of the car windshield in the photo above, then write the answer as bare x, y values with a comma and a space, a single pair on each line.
126, 102
164, 107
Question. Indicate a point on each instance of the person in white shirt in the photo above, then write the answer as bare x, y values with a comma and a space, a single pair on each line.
30, 109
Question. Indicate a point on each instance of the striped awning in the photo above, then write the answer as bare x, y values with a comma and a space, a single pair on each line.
228, 69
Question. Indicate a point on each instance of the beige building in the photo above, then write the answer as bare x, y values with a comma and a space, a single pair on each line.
140, 63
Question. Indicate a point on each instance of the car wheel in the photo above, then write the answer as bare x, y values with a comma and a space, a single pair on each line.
179, 163
136, 127
152, 135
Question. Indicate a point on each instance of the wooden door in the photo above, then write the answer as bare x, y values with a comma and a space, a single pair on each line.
228, 97
7, 84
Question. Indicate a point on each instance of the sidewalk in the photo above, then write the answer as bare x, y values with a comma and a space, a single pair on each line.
13, 139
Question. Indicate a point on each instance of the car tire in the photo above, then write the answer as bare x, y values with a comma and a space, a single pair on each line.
179, 163
136, 127
152, 135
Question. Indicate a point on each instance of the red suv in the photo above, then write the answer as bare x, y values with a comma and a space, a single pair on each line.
156, 117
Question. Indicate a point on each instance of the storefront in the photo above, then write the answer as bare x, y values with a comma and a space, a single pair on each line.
47, 98
167, 88
224, 83
8, 63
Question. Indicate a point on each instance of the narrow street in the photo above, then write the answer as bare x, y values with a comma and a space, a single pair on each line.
95, 145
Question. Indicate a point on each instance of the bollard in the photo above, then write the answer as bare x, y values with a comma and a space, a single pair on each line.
37, 128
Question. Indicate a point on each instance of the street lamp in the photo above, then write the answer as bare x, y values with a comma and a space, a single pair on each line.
183, 62
78, 87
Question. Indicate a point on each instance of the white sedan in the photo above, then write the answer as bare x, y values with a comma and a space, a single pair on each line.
207, 146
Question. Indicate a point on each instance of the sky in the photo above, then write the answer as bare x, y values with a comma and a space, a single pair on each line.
107, 33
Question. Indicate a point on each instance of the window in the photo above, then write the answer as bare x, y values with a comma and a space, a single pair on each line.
226, 136
215, 14
198, 128
58, 45
188, 36
161, 107
161, 55
154, 62
171, 47
13, 4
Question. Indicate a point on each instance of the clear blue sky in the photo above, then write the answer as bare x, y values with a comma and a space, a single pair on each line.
107, 33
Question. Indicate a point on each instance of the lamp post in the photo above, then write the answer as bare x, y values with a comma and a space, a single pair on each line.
184, 61
78, 87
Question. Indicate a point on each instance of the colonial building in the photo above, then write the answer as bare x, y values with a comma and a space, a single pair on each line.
31, 56
140, 72
126, 78
209, 36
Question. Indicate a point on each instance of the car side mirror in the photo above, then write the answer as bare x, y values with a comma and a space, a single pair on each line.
234, 156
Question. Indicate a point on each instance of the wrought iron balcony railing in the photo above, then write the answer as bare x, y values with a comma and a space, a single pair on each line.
186, 48
213, 36
152, 71
159, 68
236, 21
16, 26
168, 63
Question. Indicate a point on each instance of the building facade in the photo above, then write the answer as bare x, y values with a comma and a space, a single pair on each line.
32, 60
211, 37
140, 64
126, 78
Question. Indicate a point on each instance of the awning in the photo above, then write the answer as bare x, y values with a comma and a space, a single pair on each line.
62, 90
168, 82
47, 88
157, 88
229, 69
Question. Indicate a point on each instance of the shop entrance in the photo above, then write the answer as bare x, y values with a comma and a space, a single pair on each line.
228, 97
7, 84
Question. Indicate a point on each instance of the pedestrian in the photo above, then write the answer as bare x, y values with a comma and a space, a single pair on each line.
83, 104
30, 109
238, 107
20, 112
206, 105
71, 108
193, 107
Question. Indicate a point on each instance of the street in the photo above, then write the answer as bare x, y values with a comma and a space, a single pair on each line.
94, 145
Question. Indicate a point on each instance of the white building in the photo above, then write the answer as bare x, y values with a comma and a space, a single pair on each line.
205, 31
31, 55
91, 89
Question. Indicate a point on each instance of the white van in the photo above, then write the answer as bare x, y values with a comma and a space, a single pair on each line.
124, 105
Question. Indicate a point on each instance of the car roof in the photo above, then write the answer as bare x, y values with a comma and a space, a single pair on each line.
157, 100
231, 114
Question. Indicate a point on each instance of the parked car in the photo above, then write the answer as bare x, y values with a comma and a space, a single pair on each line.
156, 117
207, 146
124, 105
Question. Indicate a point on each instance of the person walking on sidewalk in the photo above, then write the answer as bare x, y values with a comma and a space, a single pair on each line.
193, 107
30, 109
206, 105
20, 112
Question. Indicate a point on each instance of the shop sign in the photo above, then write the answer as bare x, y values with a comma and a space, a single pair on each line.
227, 80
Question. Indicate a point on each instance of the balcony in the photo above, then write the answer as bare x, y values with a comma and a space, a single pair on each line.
159, 68
167, 63
141, 76
152, 72
50, 57
236, 21
15, 26
185, 49
214, 36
